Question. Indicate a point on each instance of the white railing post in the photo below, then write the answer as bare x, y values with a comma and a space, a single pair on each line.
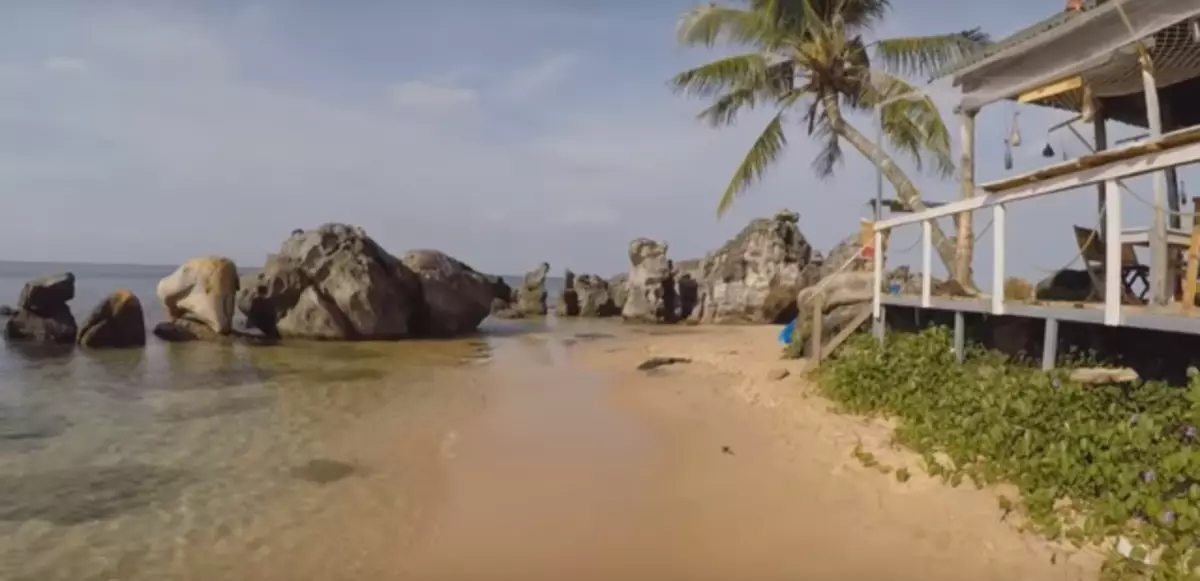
1113, 287
877, 296
998, 231
926, 263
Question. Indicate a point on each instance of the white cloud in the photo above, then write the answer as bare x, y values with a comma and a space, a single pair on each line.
66, 65
426, 95
528, 82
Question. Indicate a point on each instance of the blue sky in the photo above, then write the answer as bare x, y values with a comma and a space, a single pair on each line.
505, 133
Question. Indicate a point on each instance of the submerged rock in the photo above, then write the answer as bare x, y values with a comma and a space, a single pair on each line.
42, 314
334, 282
755, 277
202, 290
118, 321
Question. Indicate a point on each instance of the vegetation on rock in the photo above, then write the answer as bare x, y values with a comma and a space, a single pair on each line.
1092, 462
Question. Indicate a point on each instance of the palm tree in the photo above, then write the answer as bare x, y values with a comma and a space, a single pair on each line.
808, 59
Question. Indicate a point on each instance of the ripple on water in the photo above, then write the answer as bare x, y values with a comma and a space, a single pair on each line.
76, 495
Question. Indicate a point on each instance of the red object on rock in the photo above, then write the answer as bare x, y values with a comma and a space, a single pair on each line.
1074, 6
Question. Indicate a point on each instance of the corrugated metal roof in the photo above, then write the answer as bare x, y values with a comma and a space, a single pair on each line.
1013, 40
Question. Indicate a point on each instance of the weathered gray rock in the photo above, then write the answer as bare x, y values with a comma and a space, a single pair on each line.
502, 293
844, 295
334, 282
456, 297
651, 289
117, 322
844, 257
47, 293
755, 277
530, 298
55, 327
43, 315
567, 304
202, 290
687, 275
594, 296
618, 289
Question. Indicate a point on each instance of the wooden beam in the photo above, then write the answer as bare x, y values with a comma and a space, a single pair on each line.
1100, 143
818, 312
926, 263
877, 301
1113, 285
1050, 345
999, 230
1056, 88
1171, 150
960, 336
1160, 279
846, 331
1193, 265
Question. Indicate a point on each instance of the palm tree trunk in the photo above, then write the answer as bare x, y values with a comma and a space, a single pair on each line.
906, 191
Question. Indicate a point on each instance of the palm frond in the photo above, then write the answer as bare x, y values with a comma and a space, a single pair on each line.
765, 151
794, 16
711, 23
925, 55
830, 157
911, 122
739, 71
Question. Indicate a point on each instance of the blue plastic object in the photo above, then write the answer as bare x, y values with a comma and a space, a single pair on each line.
894, 289
785, 336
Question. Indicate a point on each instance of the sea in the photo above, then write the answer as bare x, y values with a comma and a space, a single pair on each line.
188, 461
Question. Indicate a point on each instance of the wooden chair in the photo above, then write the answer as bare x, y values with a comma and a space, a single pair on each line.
1091, 249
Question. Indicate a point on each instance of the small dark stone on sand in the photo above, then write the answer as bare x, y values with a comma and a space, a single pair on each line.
727, 450
323, 471
656, 362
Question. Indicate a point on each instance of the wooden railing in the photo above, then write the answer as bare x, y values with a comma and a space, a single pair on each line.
1108, 166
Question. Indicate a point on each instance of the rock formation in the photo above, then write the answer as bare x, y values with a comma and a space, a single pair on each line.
199, 299
755, 277
42, 313
118, 321
502, 294
456, 298
585, 295
651, 289
567, 304
335, 282
687, 275
529, 299
618, 289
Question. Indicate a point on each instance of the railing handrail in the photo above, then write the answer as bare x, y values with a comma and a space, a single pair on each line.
1117, 169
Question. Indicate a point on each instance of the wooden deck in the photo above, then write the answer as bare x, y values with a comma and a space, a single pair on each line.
1172, 319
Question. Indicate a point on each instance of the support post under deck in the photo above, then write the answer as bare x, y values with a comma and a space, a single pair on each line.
960, 336
1160, 287
1050, 345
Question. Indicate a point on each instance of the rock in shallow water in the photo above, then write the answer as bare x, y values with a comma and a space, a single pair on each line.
43, 315
118, 321
333, 282
202, 290
455, 297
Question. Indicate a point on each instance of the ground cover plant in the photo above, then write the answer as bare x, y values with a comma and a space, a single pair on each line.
1092, 462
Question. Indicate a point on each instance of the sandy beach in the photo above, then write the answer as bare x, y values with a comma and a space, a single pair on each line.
578, 466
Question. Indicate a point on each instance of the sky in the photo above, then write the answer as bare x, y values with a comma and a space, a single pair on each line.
503, 133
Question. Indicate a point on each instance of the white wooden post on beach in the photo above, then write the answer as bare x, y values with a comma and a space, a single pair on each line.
998, 231
926, 263
1113, 287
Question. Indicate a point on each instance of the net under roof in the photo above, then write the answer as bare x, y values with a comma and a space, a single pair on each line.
1096, 45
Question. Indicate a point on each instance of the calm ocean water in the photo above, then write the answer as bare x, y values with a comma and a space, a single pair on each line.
127, 464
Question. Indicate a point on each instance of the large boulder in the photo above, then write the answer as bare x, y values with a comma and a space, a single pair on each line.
118, 321
335, 283
687, 275
502, 294
755, 277
651, 288
42, 313
530, 298
456, 297
202, 290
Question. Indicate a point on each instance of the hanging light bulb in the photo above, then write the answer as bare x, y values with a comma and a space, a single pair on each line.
1047, 151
